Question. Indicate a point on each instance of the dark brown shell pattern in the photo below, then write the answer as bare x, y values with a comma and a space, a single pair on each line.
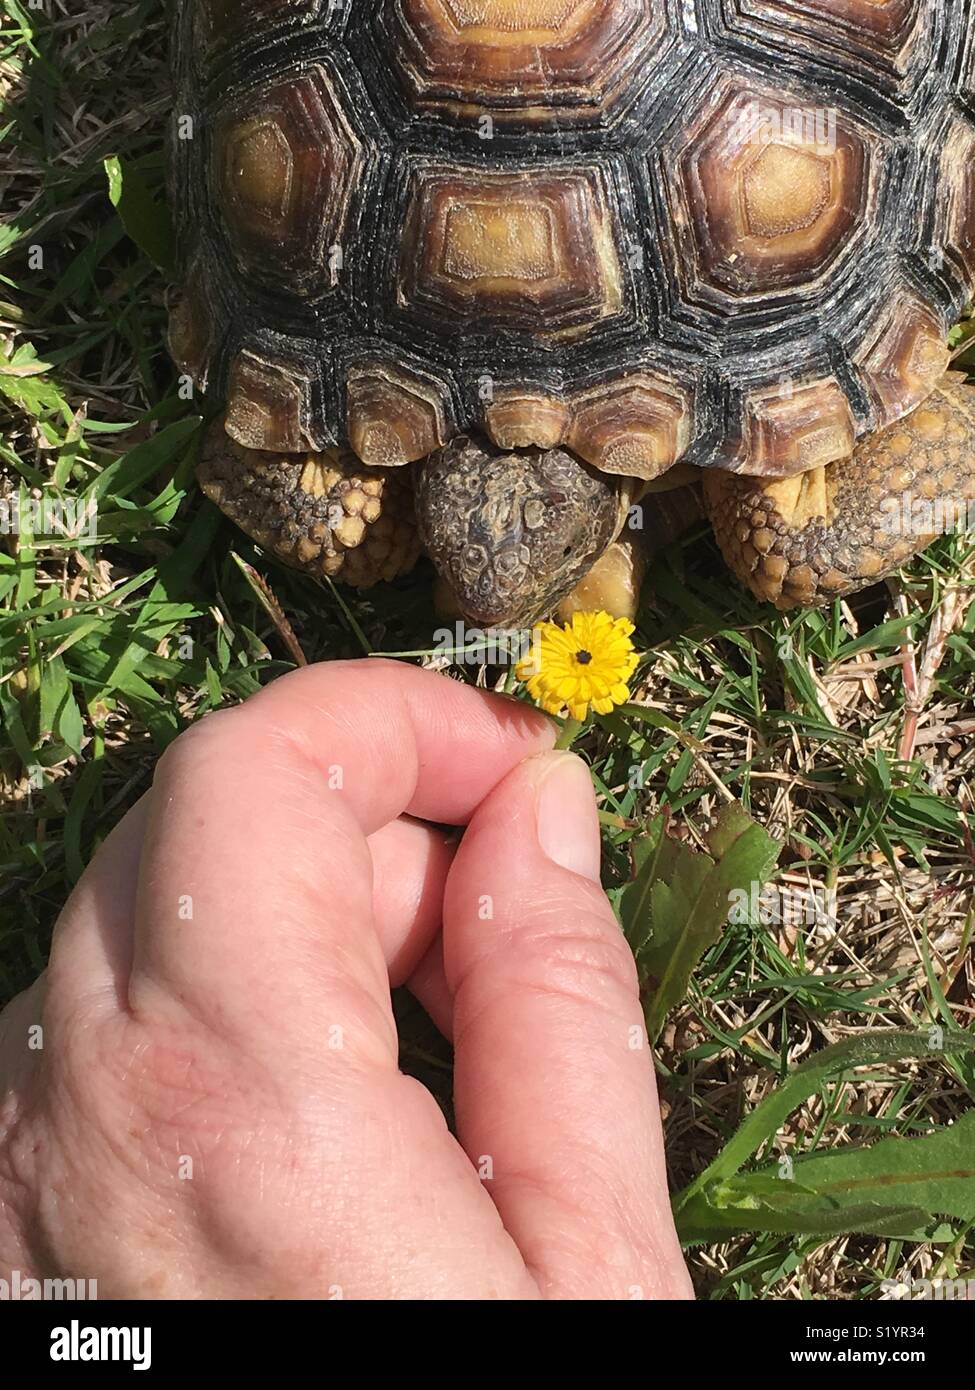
734, 232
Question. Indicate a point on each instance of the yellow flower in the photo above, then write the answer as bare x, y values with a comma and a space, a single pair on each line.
587, 663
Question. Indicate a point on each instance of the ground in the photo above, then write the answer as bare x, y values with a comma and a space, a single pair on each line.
846, 733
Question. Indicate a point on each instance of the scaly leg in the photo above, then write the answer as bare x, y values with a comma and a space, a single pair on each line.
325, 513
805, 540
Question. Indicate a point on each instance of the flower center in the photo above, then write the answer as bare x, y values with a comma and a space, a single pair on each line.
583, 658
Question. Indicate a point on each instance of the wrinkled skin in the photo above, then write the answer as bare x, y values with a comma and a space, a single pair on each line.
217, 1110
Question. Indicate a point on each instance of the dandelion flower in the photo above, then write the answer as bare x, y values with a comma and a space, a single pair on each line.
585, 664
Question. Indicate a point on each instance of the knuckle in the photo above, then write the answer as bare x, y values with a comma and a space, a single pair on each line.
581, 953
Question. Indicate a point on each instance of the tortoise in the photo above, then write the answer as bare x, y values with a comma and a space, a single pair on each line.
494, 279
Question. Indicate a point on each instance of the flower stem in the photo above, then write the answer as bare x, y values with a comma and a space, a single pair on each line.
571, 729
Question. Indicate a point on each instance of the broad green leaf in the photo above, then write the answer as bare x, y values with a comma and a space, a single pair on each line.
678, 901
55, 689
807, 1079
935, 1172
145, 219
892, 1045
897, 1187
700, 1222
71, 727
214, 689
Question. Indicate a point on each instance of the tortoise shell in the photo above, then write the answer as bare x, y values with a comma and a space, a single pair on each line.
733, 232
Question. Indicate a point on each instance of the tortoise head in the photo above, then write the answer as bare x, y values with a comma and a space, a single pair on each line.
511, 532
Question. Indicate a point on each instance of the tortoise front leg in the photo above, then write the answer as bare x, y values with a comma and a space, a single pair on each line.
612, 585
802, 541
653, 521
325, 513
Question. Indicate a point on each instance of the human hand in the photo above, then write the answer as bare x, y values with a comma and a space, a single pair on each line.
217, 1111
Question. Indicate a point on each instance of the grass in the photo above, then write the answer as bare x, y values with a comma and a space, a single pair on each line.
825, 726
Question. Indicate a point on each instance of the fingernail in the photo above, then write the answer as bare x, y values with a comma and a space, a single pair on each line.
565, 812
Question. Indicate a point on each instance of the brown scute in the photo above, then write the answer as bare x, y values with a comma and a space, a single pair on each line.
269, 405
801, 542
633, 426
191, 328
904, 356
886, 20
531, 249
794, 429
394, 418
524, 420
219, 21
768, 211
958, 205
887, 33
284, 170
323, 512
523, 60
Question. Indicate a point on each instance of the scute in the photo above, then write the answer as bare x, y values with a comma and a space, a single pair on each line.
535, 249
957, 207
887, 33
636, 425
394, 416
286, 162
522, 59
221, 22
904, 355
791, 429
192, 331
774, 193
269, 405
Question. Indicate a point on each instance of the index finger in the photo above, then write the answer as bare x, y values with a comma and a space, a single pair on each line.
255, 883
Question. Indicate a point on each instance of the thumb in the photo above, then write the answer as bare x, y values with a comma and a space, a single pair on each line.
554, 1086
